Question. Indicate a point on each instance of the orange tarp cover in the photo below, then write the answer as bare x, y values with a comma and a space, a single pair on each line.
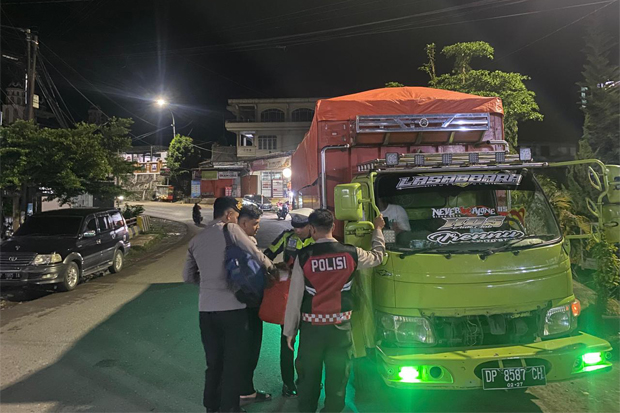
404, 101
385, 101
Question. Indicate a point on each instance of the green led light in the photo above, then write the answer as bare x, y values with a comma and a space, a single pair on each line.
592, 358
594, 368
409, 374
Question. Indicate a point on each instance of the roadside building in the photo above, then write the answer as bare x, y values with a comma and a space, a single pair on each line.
149, 178
219, 176
268, 131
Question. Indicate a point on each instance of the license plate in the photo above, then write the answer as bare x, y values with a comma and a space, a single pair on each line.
513, 377
10, 276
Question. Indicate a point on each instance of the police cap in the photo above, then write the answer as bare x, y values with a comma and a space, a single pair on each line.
299, 217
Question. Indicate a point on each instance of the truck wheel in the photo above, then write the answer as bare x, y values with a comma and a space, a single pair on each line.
71, 278
117, 262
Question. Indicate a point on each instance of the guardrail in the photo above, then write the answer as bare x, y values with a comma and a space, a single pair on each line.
132, 222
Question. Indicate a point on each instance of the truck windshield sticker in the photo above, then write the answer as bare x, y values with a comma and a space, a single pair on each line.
473, 222
516, 213
475, 211
461, 180
451, 237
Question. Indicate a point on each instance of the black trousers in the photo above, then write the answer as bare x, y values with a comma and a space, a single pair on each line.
287, 362
320, 345
225, 339
255, 340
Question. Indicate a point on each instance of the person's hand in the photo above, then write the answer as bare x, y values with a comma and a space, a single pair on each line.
379, 222
291, 343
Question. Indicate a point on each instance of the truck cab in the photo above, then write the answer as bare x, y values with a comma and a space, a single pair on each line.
476, 288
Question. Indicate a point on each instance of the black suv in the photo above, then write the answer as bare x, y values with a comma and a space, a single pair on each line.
63, 245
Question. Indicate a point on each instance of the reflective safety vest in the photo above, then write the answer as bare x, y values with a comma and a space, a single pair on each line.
328, 276
290, 244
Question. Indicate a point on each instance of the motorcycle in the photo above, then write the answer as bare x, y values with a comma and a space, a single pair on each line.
196, 214
283, 209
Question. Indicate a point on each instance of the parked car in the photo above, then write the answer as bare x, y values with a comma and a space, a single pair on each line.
260, 201
62, 246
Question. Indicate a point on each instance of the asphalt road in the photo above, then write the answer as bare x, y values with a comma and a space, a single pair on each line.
130, 342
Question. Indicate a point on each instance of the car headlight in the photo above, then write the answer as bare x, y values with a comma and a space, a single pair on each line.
45, 259
403, 330
562, 319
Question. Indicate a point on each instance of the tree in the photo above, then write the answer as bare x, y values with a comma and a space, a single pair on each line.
394, 84
518, 101
182, 156
601, 107
68, 162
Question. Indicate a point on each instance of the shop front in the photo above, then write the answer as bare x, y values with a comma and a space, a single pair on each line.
273, 176
216, 183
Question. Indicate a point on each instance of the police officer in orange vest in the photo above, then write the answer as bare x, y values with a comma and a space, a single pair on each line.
320, 305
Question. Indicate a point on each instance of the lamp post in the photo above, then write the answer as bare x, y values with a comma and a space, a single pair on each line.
161, 102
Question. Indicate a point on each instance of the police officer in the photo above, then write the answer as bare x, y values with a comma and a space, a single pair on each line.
290, 242
320, 305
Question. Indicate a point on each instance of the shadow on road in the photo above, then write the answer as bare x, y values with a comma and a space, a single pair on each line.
148, 357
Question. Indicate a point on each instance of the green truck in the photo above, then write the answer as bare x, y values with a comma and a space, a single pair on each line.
475, 290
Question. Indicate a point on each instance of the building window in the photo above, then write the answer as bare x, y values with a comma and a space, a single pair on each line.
302, 115
247, 113
246, 139
272, 115
268, 143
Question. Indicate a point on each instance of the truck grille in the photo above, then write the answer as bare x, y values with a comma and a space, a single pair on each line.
12, 261
498, 329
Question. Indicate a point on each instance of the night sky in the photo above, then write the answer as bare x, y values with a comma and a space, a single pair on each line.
123, 53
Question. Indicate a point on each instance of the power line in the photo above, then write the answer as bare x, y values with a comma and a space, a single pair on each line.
557, 30
98, 90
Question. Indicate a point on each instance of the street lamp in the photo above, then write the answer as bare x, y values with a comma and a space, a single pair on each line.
163, 103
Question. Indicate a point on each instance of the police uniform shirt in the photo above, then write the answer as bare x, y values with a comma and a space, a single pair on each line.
366, 259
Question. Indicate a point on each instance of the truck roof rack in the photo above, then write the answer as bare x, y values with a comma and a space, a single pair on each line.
459, 160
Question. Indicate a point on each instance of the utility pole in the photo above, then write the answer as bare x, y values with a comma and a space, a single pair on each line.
32, 71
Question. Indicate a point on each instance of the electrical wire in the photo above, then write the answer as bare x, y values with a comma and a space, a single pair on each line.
96, 88
556, 31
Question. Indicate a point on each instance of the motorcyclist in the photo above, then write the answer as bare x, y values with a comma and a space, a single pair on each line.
196, 214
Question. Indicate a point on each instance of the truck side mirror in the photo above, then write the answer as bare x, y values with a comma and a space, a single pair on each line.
348, 202
610, 217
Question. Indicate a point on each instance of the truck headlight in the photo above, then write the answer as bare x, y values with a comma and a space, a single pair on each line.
562, 319
46, 259
403, 330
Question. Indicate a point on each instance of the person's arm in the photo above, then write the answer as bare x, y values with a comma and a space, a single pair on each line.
293, 304
276, 247
190, 272
241, 239
374, 257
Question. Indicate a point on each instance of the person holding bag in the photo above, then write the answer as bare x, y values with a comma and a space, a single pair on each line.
275, 296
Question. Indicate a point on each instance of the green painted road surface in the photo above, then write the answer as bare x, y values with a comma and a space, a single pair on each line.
130, 343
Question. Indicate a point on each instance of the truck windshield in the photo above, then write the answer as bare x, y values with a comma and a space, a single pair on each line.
464, 212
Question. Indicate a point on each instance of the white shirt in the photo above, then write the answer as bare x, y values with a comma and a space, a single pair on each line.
397, 215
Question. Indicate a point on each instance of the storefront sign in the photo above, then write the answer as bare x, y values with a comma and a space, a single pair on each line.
209, 175
227, 175
271, 164
266, 188
195, 189
278, 188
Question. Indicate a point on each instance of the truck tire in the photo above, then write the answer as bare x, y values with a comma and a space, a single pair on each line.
71, 278
117, 262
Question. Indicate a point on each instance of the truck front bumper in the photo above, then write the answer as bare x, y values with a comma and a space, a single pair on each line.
439, 368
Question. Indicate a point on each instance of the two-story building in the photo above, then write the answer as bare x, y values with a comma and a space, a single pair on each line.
268, 131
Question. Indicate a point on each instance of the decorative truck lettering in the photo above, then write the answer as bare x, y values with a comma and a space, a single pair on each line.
458, 180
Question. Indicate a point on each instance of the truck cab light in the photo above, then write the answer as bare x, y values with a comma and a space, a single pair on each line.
592, 358
409, 374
